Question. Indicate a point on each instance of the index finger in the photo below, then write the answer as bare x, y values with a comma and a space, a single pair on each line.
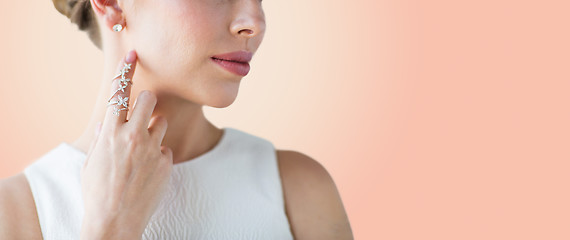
117, 104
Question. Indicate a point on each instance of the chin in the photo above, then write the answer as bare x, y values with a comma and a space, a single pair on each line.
222, 99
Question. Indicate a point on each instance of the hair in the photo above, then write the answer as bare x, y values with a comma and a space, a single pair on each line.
81, 13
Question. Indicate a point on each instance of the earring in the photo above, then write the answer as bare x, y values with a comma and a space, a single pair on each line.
118, 27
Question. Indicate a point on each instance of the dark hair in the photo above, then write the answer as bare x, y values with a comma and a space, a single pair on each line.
81, 13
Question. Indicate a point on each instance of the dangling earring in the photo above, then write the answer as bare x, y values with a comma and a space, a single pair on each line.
118, 27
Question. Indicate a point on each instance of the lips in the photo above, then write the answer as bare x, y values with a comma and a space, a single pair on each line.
234, 62
238, 56
229, 60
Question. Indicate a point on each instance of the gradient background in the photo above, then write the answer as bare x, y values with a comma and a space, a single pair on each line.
437, 119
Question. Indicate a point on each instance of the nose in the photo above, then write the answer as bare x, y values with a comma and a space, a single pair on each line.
250, 19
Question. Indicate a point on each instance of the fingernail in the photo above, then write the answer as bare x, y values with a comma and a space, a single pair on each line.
131, 56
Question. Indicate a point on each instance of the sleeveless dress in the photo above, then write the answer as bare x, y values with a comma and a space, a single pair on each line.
233, 191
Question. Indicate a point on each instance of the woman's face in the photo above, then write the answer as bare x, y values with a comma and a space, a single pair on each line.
175, 40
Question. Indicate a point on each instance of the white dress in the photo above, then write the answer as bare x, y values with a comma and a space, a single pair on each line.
231, 192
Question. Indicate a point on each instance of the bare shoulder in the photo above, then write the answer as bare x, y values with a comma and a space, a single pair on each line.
18, 216
312, 201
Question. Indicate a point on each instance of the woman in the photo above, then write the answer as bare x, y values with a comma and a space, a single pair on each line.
159, 169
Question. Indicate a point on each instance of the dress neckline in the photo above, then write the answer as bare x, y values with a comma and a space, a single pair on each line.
223, 140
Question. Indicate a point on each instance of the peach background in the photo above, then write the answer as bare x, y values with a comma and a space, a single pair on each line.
437, 119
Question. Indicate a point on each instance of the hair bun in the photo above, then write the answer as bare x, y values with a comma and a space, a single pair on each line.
80, 13
64, 6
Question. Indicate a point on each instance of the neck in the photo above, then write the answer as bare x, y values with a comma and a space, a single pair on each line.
189, 133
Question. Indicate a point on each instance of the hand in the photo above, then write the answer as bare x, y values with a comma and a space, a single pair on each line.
126, 170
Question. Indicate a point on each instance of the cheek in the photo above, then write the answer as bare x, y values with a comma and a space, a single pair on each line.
176, 38
191, 42
193, 27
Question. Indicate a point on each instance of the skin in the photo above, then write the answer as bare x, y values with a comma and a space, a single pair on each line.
174, 78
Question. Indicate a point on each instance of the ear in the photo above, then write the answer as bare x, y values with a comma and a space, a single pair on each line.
109, 11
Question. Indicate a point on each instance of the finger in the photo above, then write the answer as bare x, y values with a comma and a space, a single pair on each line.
142, 112
117, 104
94, 141
96, 136
157, 128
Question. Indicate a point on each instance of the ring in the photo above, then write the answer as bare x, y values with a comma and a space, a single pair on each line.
123, 83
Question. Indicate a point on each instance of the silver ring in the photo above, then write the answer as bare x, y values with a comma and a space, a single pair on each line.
123, 83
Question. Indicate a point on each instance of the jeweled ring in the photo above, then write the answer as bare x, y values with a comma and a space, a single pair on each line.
123, 83
117, 110
122, 101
